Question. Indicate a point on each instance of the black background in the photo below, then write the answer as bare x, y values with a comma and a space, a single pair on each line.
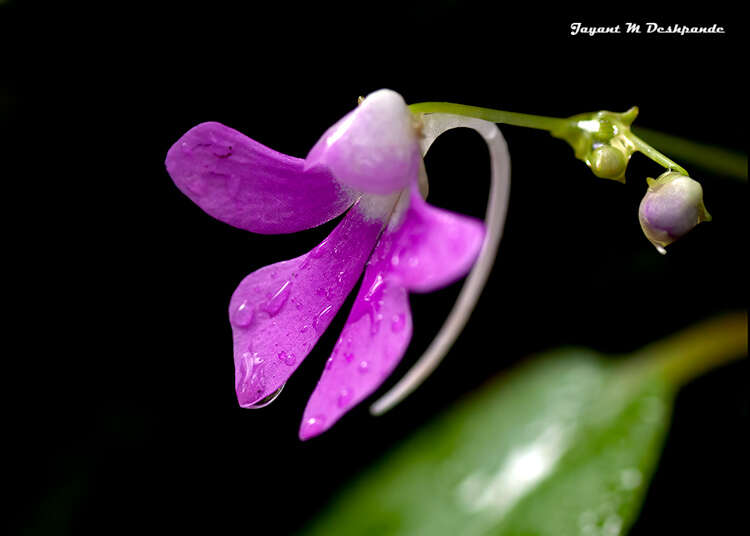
122, 415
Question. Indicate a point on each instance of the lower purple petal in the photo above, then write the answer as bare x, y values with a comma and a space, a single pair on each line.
372, 343
279, 312
428, 249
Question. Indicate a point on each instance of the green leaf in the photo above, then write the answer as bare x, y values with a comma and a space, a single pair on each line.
566, 444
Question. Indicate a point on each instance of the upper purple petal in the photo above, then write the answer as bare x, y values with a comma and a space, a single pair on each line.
279, 312
247, 185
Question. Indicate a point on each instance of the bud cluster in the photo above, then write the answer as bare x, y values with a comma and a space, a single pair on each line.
602, 140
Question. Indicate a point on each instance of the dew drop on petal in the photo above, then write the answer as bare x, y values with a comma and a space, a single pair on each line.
243, 315
263, 402
345, 397
245, 366
363, 367
288, 358
313, 425
321, 319
398, 322
329, 363
349, 357
254, 383
277, 301
320, 249
375, 325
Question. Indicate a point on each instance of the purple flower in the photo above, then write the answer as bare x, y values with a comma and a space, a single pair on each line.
369, 164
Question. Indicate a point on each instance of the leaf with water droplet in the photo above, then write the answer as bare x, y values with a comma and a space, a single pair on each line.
565, 445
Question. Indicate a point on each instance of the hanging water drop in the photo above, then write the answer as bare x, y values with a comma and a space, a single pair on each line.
263, 402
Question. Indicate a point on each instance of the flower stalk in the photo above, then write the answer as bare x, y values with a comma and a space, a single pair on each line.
586, 133
688, 354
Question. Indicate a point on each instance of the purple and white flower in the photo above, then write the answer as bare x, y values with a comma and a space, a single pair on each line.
367, 165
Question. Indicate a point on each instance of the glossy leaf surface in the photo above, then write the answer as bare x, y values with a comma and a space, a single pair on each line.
566, 444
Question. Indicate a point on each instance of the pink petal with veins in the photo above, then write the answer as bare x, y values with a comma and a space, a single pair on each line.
430, 248
279, 312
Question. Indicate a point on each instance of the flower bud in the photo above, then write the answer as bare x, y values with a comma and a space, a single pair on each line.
608, 162
671, 207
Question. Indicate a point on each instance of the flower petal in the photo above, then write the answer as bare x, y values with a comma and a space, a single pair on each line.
372, 343
279, 312
435, 247
429, 248
247, 185
374, 148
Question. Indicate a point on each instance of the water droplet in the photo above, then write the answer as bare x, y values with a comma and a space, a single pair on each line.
375, 325
277, 301
304, 329
313, 425
320, 322
253, 383
243, 315
374, 288
398, 322
320, 249
245, 366
349, 357
329, 363
364, 366
288, 358
345, 397
263, 402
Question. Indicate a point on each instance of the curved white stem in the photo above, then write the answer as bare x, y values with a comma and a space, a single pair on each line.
434, 126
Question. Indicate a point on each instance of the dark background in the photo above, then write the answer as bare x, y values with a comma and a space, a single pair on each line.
122, 415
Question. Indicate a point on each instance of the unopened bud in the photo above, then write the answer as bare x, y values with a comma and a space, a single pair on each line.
608, 163
671, 207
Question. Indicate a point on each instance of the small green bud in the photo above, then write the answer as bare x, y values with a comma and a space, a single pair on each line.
607, 162
601, 140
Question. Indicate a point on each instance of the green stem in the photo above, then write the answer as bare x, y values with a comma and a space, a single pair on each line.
496, 116
655, 155
709, 157
688, 354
